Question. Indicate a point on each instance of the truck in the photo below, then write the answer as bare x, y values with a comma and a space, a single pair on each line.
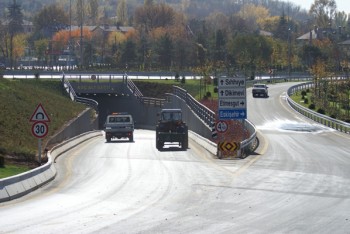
171, 129
260, 90
119, 125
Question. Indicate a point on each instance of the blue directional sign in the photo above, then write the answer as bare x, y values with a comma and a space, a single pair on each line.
232, 101
233, 114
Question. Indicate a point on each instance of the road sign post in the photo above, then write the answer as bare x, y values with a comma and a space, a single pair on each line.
39, 128
232, 105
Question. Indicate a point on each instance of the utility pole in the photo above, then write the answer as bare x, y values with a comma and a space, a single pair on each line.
81, 33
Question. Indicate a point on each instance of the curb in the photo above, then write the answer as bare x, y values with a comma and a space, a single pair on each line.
19, 185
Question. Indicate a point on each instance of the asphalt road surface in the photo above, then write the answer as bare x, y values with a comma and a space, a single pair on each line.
297, 182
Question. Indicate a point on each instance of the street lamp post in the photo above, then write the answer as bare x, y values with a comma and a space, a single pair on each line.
289, 52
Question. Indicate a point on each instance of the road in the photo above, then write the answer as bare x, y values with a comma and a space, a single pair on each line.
297, 182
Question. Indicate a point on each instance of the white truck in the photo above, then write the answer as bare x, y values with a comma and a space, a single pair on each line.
119, 125
260, 90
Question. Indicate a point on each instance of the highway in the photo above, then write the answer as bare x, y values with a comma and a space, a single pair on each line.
298, 181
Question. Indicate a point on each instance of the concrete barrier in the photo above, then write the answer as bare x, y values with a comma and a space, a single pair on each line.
16, 186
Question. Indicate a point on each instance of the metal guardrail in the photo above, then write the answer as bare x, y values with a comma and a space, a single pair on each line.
68, 87
145, 100
317, 117
203, 112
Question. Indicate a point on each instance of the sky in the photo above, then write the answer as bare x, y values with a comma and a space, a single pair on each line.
342, 5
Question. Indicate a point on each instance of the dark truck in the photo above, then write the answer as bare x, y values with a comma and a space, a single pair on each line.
260, 90
171, 129
119, 125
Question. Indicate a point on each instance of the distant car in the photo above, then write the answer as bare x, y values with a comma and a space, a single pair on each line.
2, 66
260, 90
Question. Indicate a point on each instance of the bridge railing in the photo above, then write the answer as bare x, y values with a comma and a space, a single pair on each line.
317, 117
69, 89
203, 112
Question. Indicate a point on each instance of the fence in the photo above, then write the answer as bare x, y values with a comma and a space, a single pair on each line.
319, 118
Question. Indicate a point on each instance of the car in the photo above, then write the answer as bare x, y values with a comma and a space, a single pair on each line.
260, 90
119, 125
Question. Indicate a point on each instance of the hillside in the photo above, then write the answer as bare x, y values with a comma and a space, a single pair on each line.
193, 8
18, 100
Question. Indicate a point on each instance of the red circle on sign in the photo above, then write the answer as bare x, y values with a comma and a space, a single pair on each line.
40, 129
221, 126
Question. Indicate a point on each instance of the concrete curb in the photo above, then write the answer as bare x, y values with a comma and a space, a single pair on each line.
210, 146
19, 185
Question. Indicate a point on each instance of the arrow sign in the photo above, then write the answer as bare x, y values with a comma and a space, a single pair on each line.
232, 114
39, 115
232, 103
232, 93
232, 82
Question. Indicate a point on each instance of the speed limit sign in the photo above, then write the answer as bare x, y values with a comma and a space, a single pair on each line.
40, 129
221, 126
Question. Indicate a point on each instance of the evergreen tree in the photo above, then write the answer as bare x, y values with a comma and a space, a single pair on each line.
15, 25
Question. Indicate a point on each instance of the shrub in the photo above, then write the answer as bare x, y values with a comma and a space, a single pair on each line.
321, 111
183, 80
37, 75
306, 101
303, 93
2, 161
312, 106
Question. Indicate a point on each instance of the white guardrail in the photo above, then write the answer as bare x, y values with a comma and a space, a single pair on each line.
317, 117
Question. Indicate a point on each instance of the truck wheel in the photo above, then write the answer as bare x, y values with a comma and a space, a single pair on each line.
184, 144
108, 139
131, 138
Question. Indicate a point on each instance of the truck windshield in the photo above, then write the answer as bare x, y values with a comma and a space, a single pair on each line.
121, 119
171, 116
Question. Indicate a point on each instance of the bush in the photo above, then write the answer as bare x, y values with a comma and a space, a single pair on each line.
312, 106
303, 93
2, 162
321, 111
306, 101
183, 80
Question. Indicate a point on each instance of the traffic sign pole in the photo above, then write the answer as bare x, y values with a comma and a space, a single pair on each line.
39, 127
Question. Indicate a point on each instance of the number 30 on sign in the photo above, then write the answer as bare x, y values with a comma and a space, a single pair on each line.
221, 126
40, 129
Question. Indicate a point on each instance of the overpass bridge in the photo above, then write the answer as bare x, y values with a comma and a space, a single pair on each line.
122, 95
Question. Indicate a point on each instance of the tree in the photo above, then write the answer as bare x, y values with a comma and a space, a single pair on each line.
153, 16
50, 20
15, 25
40, 47
93, 11
128, 55
251, 53
324, 12
165, 51
122, 13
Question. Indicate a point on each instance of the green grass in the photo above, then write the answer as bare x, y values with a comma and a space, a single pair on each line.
18, 100
10, 170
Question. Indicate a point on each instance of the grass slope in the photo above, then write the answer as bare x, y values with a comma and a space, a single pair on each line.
18, 100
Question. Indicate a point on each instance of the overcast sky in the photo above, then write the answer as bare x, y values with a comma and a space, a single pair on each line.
342, 5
